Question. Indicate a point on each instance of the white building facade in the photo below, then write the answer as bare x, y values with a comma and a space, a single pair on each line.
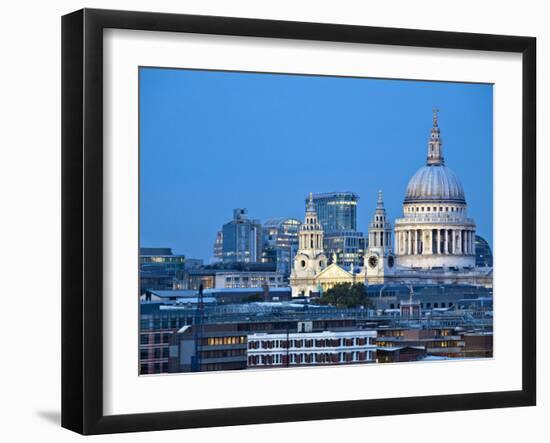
379, 259
311, 348
310, 259
248, 279
435, 231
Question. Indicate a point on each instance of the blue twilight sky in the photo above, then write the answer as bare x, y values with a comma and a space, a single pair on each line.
212, 141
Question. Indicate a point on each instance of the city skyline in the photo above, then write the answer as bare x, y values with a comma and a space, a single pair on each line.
291, 145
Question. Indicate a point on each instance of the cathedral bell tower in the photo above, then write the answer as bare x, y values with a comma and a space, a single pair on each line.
310, 258
379, 259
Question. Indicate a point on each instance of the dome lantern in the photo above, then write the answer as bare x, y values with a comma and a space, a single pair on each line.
435, 144
435, 182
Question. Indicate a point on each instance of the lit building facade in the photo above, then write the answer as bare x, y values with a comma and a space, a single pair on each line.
337, 214
218, 247
241, 239
280, 243
439, 342
348, 246
159, 268
337, 211
207, 348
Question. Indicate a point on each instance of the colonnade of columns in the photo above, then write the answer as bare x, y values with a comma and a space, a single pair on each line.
381, 238
435, 241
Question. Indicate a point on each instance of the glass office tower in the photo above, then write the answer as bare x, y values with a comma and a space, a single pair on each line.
241, 239
337, 213
280, 243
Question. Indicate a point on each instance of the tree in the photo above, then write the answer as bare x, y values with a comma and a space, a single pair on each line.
345, 295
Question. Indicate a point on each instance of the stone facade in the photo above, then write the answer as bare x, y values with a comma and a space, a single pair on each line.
434, 239
435, 231
310, 259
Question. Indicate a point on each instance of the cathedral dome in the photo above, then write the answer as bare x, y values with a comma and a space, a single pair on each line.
435, 183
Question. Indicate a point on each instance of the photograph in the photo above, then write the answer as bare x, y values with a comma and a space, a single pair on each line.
293, 221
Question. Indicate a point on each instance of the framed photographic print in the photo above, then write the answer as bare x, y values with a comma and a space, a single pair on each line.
268, 221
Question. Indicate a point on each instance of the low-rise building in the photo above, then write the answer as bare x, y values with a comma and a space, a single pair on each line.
248, 279
445, 342
399, 354
430, 296
159, 268
478, 344
218, 296
234, 275
211, 347
267, 350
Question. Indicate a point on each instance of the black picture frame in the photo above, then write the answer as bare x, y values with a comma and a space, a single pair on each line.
82, 215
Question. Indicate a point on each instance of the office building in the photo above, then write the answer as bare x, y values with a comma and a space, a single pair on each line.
233, 275
484, 255
159, 268
337, 214
440, 342
210, 347
241, 239
337, 211
218, 247
248, 279
308, 348
280, 243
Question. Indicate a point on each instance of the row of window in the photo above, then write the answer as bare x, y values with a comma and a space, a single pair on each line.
253, 279
401, 332
145, 339
434, 209
155, 368
164, 323
156, 353
310, 343
427, 305
224, 353
431, 344
310, 358
217, 341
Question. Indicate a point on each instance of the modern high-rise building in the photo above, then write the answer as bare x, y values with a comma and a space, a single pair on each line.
280, 243
241, 239
484, 255
218, 247
337, 213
